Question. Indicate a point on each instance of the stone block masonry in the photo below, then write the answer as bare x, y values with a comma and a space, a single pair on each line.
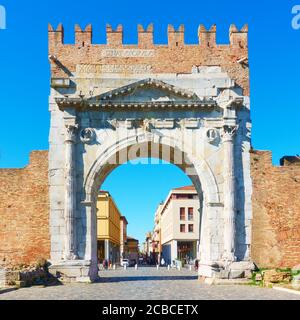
24, 213
276, 212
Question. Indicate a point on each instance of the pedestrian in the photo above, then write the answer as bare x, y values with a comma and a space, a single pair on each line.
196, 264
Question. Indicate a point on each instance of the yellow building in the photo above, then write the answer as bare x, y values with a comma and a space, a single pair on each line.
108, 229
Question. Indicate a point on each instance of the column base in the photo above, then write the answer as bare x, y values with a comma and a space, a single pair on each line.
233, 270
75, 271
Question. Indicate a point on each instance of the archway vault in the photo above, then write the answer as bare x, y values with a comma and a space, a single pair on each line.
196, 168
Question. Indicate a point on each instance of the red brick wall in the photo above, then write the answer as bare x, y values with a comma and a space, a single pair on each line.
24, 212
276, 212
206, 53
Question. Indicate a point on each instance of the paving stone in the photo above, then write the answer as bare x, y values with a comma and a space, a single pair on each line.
147, 283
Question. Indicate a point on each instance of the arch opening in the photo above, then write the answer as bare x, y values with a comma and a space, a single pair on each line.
196, 169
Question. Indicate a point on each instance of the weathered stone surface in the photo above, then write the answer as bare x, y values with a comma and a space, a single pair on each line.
273, 276
8, 277
159, 110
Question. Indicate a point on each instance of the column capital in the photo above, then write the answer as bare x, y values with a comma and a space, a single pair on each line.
71, 132
228, 132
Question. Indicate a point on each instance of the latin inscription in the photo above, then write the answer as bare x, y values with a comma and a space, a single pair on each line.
127, 53
111, 68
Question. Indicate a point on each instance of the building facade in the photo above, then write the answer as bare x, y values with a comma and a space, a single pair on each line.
132, 249
156, 236
147, 244
110, 229
123, 235
179, 225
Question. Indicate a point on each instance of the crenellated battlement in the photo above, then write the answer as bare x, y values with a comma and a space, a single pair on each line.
84, 58
207, 37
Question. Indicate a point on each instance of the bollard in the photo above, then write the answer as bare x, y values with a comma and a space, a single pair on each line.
114, 267
190, 267
178, 268
168, 267
136, 267
157, 266
125, 267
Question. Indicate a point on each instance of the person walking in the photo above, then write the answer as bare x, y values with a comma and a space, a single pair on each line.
196, 264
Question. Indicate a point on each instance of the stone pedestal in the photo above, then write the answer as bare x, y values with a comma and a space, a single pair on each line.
234, 270
75, 270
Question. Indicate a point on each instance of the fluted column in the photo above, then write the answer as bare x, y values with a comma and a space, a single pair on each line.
229, 192
70, 190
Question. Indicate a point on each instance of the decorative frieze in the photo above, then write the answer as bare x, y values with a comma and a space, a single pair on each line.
213, 122
163, 123
191, 123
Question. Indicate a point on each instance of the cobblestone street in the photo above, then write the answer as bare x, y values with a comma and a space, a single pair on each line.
147, 284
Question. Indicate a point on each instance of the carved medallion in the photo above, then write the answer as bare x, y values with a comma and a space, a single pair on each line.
212, 135
87, 135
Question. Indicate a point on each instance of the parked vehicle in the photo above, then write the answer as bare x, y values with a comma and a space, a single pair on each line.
124, 262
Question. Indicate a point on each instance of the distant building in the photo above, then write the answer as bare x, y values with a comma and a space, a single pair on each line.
132, 249
179, 224
156, 236
111, 229
148, 244
123, 235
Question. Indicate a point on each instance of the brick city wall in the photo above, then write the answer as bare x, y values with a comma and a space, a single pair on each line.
232, 58
276, 212
24, 212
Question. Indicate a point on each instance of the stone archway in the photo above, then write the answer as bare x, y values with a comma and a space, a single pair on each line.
131, 98
199, 171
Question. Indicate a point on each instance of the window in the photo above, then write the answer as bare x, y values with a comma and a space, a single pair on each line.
182, 228
190, 214
182, 213
191, 228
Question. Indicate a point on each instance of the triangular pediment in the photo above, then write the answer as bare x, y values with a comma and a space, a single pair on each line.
146, 90
146, 93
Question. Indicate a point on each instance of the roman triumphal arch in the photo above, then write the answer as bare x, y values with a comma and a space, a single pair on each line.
186, 104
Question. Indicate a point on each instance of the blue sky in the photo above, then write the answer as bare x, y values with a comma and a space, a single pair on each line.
274, 48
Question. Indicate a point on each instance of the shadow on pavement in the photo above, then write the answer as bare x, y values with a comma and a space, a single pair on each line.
144, 278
